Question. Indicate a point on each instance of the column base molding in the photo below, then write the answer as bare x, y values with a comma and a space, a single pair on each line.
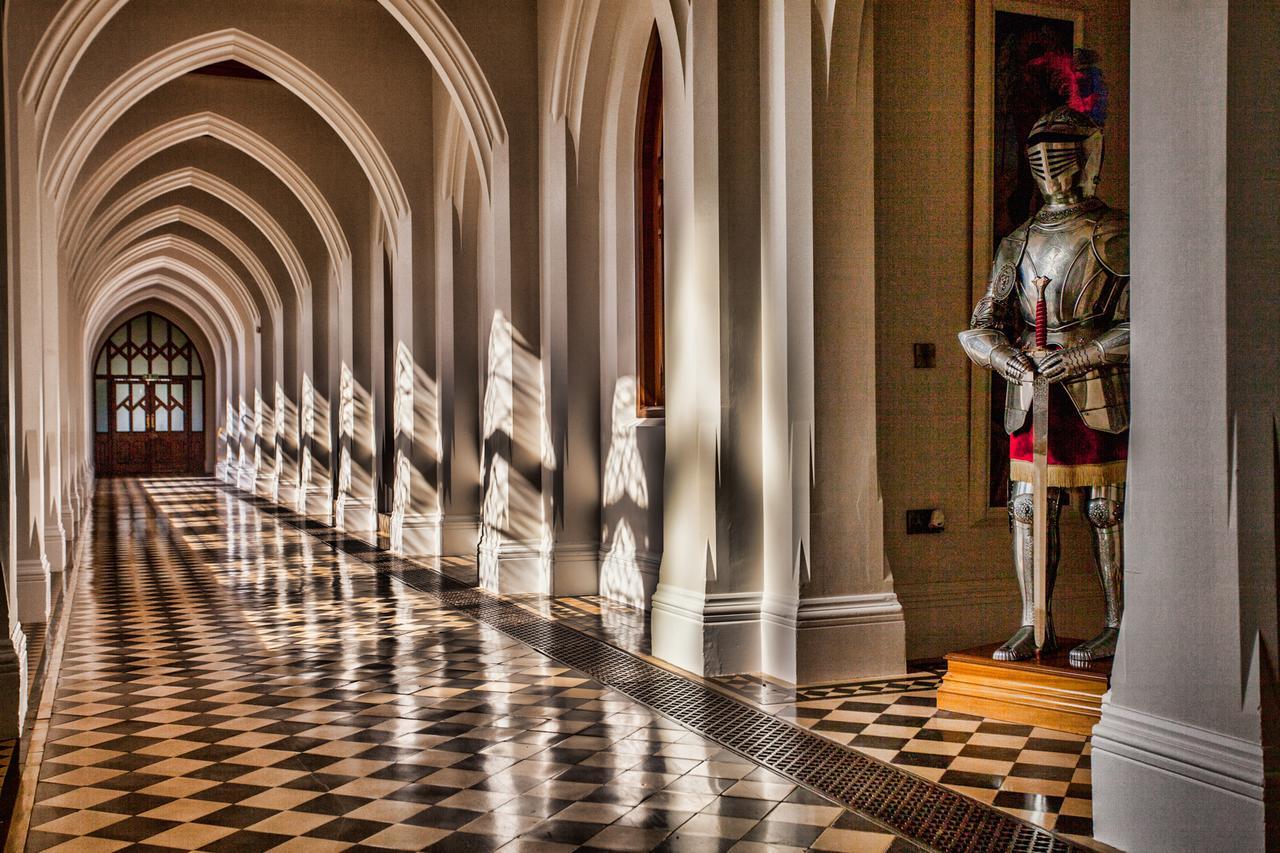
575, 568
629, 578
317, 503
55, 545
287, 494
515, 567
714, 633
69, 519
359, 518
459, 535
843, 637
13, 684
266, 485
512, 567
33, 589
1160, 784
421, 534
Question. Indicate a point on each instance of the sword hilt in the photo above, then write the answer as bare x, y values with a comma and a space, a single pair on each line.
1042, 313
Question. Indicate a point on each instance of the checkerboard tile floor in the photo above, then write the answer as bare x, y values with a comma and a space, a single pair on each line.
1039, 775
282, 696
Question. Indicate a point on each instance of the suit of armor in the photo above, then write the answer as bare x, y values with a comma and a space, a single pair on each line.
1081, 246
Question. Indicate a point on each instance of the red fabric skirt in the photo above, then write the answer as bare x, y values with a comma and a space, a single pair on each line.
1078, 454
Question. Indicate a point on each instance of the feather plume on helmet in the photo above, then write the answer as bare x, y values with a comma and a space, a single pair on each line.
1065, 145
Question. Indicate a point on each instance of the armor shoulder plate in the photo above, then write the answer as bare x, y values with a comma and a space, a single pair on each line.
1004, 274
1111, 242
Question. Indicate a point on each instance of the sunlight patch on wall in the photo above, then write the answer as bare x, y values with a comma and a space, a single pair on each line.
624, 468
346, 428
619, 572
499, 406
402, 404
399, 501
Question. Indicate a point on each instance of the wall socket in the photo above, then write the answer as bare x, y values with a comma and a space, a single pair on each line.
919, 521
926, 355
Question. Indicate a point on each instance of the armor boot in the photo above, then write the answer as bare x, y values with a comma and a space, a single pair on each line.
1022, 644
1104, 510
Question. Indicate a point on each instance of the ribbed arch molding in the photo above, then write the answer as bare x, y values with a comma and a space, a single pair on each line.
215, 186
228, 44
441, 43
91, 193
169, 251
191, 291
79, 22
174, 214
453, 164
165, 288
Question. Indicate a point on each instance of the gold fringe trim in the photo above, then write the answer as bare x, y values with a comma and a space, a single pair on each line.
1072, 476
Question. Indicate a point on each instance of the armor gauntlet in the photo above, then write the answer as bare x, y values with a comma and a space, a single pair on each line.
1111, 347
987, 341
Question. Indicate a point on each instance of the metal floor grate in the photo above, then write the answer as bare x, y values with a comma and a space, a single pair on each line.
923, 811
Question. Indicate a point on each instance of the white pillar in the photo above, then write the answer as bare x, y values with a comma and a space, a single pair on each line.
513, 552
1185, 756
570, 288
707, 607
850, 622
457, 358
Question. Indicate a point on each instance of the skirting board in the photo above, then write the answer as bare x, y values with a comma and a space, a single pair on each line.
706, 634
33, 590
1160, 784
843, 637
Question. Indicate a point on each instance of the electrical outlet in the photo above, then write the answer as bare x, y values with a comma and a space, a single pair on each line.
923, 521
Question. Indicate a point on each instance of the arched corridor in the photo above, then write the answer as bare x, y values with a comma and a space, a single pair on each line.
615, 424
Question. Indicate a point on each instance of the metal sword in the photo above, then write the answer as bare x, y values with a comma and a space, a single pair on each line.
1040, 471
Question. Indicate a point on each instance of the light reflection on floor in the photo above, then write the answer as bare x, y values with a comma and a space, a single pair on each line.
232, 683
1037, 774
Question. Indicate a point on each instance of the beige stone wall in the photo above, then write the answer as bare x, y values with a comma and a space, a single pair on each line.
957, 587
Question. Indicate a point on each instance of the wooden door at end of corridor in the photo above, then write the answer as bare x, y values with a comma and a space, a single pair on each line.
148, 400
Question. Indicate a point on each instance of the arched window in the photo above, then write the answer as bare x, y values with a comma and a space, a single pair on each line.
386, 452
650, 367
148, 386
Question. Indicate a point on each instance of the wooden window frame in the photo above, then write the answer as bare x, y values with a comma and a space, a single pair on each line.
650, 283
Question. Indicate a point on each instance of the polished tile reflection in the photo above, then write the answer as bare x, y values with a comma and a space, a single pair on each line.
1038, 775
230, 682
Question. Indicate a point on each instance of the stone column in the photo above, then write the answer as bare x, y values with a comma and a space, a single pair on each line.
456, 333
1184, 757
418, 492
13, 643
569, 324
706, 613
850, 622
514, 553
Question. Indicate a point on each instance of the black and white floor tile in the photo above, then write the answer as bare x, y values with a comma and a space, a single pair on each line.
260, 691
1035, 774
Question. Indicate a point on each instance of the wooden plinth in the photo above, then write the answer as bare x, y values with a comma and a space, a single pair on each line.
1048, 692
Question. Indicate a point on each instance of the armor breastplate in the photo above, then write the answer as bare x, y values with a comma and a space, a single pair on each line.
1085, 256
1082, 294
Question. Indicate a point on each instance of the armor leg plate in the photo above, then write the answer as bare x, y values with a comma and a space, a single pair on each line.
1022, 644
1104, 510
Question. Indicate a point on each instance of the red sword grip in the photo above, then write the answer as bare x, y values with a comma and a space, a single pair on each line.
1042, 314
